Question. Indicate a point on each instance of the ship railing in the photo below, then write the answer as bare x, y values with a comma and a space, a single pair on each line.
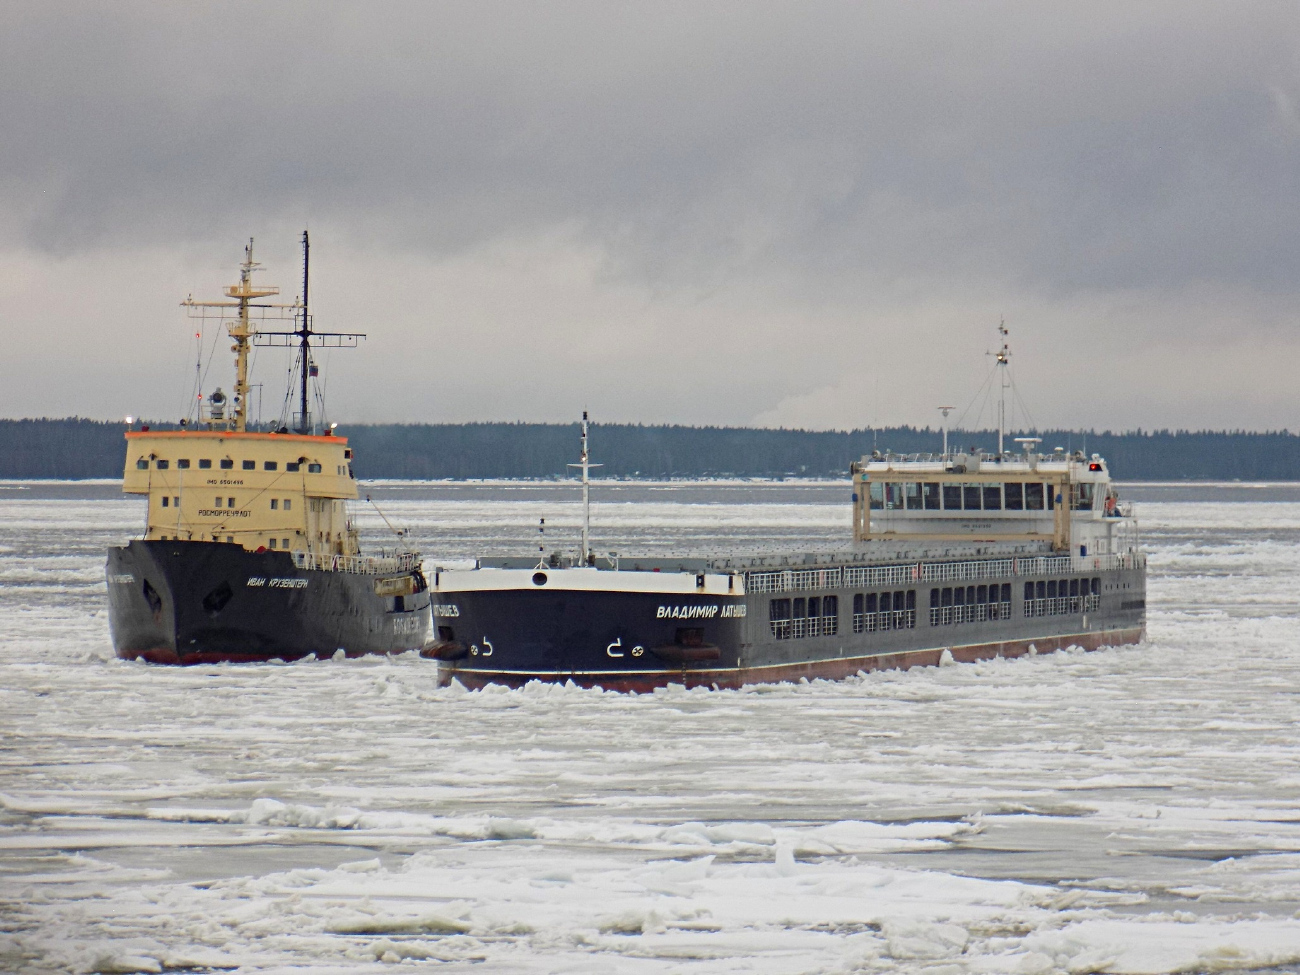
871, 576
878, 575
949, 571
886, 619
358, 564
969, 613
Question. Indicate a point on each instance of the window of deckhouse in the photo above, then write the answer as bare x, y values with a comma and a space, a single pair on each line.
1034, 496
205, 465
952, 497
992, 497
227, 464
971, 497
250, 465
183, 464
912, 492
930, 492
1014, 492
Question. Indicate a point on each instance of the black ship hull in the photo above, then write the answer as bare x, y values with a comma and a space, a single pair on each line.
180, 602
635, 641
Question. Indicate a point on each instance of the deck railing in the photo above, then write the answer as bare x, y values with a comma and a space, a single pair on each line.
359, 564
867, 576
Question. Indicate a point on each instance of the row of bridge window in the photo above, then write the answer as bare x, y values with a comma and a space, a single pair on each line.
1011, 496
226, 464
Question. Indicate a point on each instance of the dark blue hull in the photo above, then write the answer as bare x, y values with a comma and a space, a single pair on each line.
198, 602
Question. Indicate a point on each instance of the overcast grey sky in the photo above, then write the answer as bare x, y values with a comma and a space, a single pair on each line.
808, 214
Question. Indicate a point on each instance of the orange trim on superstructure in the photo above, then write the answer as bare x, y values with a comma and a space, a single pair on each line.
232, 435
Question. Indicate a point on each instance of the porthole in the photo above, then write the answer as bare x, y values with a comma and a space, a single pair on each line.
539, 578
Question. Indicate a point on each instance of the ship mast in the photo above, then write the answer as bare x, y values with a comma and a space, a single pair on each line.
241, 329
586, 465
302, 337
245, 333
305, 333
1003, 359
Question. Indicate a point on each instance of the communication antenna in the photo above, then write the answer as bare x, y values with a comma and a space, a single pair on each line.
587, 557
541, 543
945, 410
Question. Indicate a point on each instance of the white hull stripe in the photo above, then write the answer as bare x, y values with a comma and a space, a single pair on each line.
585, 580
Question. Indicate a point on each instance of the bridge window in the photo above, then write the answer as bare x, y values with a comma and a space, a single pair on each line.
930, 493
1081, 497
877, 495
183, 465
250, 465
992, 497
1034, 497
893, 496
970, 497
1015, 496
269, 465
205, 465
1051, 588
1051, 496
952, 497
227, 464
1029, 591
1041, 589
912, 491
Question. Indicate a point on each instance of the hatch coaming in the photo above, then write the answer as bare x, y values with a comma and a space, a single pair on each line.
258, 490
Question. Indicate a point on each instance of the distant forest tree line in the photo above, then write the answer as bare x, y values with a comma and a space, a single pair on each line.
79, 448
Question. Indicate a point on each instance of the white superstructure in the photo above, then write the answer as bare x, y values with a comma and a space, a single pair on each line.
1065, 500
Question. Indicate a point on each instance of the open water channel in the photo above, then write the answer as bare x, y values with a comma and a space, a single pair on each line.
1129, 810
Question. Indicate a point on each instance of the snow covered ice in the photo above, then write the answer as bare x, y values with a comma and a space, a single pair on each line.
1131, 810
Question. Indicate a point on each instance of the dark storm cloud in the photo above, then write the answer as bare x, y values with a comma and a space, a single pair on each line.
1080, 147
